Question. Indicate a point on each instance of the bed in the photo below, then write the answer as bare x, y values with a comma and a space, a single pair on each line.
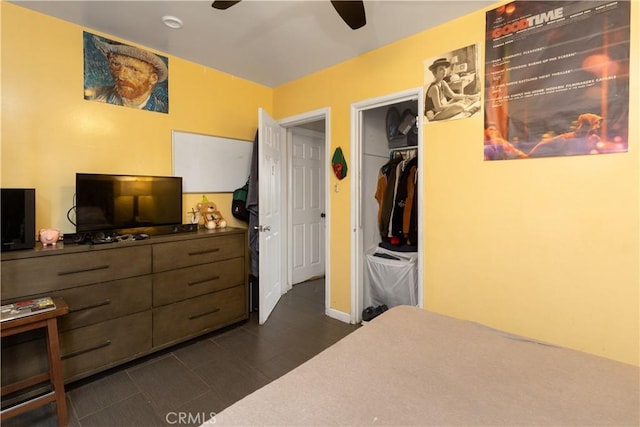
413, 367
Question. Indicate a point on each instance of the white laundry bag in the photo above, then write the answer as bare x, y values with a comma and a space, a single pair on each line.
393, 281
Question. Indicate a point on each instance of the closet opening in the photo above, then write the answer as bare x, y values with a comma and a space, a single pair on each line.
386, 244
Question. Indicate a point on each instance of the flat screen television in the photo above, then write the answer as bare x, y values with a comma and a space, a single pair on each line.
127, 203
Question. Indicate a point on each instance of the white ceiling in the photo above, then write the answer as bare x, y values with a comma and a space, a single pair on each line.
270, 42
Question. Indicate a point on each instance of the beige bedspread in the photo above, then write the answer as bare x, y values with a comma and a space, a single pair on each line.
413, 367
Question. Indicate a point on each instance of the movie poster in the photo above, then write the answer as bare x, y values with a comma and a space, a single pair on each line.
556, 79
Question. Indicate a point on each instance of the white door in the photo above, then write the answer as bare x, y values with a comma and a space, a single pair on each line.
307, 204
271, 147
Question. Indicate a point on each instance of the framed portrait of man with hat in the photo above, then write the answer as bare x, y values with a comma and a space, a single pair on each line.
121, 74
452, 85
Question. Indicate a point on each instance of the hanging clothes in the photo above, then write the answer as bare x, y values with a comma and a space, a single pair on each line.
384, 195
410, 217
397, 199
252, 206
402, 201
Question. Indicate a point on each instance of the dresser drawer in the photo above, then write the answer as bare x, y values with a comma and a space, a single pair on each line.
25, 277
103, 345
182, 320
176, 285
171, 255
105, 301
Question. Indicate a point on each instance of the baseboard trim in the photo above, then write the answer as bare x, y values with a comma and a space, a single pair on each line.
338, 315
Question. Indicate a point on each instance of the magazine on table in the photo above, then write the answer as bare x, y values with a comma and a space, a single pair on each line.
27, 308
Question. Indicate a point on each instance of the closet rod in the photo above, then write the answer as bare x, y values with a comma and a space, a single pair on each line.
393, 150
405, 152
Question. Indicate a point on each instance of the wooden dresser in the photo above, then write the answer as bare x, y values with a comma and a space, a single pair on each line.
127, 299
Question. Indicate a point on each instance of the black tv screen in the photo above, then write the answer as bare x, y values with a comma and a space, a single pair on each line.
127, 202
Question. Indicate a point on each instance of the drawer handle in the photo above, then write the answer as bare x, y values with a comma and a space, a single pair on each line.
84, 270
86, 350
204, 280
195, 316
208, 251
87, 307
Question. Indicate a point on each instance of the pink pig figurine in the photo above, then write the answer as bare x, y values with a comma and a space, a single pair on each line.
49, 236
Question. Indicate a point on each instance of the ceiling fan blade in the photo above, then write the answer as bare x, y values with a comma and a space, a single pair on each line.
223, 5
351, 12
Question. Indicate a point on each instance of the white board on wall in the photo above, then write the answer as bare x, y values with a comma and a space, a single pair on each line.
210, 164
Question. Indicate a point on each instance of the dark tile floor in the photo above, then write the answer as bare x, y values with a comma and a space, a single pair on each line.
186, 384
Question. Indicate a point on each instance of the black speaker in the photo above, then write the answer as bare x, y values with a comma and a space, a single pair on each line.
185, 228
18, 218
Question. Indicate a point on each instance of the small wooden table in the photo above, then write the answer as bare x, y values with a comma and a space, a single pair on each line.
47, 320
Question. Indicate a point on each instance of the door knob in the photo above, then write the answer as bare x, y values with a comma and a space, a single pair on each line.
322, 215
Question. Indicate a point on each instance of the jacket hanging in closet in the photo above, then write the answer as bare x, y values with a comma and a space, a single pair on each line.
397, 201
384, 194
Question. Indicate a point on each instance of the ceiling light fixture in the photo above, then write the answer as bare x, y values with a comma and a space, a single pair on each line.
172, 22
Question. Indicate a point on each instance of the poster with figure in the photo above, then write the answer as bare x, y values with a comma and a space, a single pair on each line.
120, 74
556, 79
452, 85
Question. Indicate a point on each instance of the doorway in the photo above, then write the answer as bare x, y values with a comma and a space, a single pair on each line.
368, 125
307, 223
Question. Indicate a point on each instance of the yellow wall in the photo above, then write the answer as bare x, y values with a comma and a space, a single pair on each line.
547, 248
49, 132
